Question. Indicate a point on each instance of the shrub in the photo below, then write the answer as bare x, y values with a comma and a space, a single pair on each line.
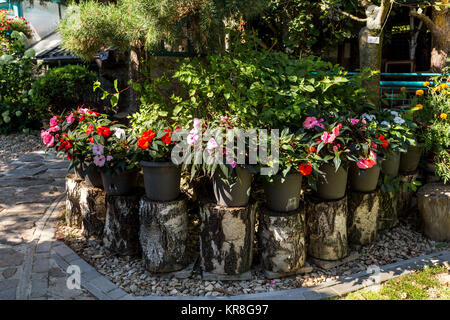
62, 88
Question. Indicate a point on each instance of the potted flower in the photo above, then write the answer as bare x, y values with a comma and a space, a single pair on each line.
364, 143
282, 189
161, 176
330, 150
396, 137
231, 181
112, 154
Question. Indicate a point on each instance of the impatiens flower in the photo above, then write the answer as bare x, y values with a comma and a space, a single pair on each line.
69, 156
368, 162
335, 148
83, 110
99, 160
384, 142
104, 131
143, 143
231, 162
354, 121
335, 130
193, 137
109, 158
305, 169
97, 149
119, 133
48, 139
54, 129
310, 122
90, 129
197, 123
327, 137
149, 134
167, 138
70, 118
211, 145
93, 113
399, 120
54, 121
312, 149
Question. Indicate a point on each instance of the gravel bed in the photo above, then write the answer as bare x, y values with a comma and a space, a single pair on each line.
14, 145
400, 243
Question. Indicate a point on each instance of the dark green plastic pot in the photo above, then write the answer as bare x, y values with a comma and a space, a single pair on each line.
333, 186
364, 180
391, 165
409, 161
161, 180
236, 195
94, 178
283, 196
121, 184
78, 172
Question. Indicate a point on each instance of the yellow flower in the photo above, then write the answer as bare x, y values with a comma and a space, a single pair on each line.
444, 86
443, 116
419, 92
419, 106
426, 83
402, 89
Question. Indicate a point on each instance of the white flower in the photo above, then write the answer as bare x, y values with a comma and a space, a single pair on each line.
386, 124
399, 120
370, 117
394, 113
119, 133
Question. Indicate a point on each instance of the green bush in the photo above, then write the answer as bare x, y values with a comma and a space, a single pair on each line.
16, 70
62, 88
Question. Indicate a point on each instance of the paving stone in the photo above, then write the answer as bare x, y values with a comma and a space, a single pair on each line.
32, 157
276, 275
10, 257
117, 294
43, 247
8, 289
8, 273
326, 264
39, 288
102, 283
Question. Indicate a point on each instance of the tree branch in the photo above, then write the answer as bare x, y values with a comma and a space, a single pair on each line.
428, 22
345, 13
385, 7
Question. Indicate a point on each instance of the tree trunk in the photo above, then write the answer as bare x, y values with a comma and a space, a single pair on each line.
226, 238
387, 215
283, 240
121, 234
434, 206
362, 217
440, 50
370, 57
163, 234
327, 228
85, 207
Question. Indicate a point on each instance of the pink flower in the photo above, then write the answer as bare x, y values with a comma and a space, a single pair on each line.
48, 139
310, 122
109, 158
212, 145
225, 119
354, 121
364, 164
53, 129
328, 138
335, 130
70, 118
99, 160
231, 162
373, 145
83, 110
197, 123
54, 121
335, 148
193, 137
97, 149
373, 156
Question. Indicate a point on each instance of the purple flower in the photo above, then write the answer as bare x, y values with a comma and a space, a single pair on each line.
99, 160
97, 149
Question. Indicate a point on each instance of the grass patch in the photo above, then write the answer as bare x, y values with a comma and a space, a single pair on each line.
431, 283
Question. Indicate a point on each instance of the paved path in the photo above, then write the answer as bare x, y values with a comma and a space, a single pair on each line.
31, 194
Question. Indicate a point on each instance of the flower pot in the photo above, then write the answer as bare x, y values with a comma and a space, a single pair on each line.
283, 196
391, 165
333, 185
120, 184
161, 180
364, 180
78, 172
409, 161
94, 178
236, 195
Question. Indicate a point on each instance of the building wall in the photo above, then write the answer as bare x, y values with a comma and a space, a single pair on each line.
43, 18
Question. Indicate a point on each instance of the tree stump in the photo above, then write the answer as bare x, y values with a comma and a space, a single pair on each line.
362, 219
163, 234
405, 198
387, 214
85, 207
327, 228
283, 240
121, 234
226, 238
434, 207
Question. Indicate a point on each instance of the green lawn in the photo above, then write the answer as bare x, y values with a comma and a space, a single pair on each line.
431, 283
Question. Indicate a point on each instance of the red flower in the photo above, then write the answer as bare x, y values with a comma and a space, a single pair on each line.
149, 134
90, 129
69, 156
91, 140
143, 143
167, 137
93, 113
305, 169
104, 131
312, 149
384, 142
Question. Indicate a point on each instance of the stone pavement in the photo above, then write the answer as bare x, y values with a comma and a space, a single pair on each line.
31, 190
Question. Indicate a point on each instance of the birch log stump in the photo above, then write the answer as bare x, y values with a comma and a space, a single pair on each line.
405, 198
327, 228
226, 238
362, 219
283, 240
121, 234
163, 234
434, 207
387, 214
85, 207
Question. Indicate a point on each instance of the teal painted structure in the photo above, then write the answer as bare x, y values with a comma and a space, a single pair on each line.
14, 6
